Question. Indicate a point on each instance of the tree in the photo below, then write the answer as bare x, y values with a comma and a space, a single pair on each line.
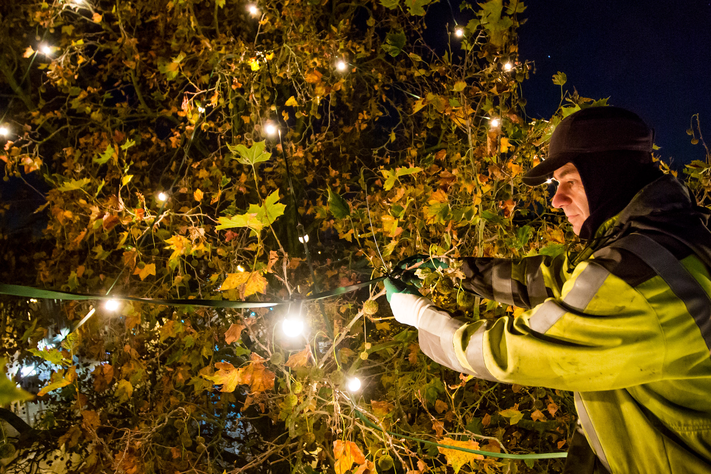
202, 150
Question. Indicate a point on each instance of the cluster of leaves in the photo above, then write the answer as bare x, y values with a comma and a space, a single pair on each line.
399, 150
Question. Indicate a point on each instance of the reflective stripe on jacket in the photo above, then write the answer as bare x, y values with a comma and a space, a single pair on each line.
628, 330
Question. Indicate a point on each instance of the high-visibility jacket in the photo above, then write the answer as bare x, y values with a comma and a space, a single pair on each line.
628, 329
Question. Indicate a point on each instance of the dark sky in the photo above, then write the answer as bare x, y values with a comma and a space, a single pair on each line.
650, 56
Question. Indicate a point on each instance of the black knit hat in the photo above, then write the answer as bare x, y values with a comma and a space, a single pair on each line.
593, 130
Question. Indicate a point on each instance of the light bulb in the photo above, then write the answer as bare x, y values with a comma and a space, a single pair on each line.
459, 32
495, 123
293, 326
162, 197
111, 305
508, 66
270, 129
240, 268
46, 49
253, 10
201, 110
303, 239
353, 384
341, 65
4, 130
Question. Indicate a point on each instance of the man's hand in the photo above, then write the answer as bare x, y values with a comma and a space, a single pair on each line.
409, 277
393, 287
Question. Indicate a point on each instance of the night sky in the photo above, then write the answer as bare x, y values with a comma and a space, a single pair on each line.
650, 56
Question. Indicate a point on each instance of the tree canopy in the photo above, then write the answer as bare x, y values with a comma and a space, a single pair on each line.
216, 151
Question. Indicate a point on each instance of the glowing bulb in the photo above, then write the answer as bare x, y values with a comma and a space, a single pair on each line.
253, 10
459, 32
111, 305
293, 326
45, 49
353, 384
4, 131
495, 123
162, 197
201, 110
240, 268
549, 180
508, 66
270, 129
303, 239
341, 65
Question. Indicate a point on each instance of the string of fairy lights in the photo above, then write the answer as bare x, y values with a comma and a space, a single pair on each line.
293, 325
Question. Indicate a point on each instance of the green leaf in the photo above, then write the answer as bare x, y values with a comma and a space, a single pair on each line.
338, 206
415, 7
560, 78
406, 171
9, 391
128, 144
394, 42
52, 355
390, 177
105, 156
459, 86
74, 184
256, 217
390, 4
250, 156
552, 250
512, 414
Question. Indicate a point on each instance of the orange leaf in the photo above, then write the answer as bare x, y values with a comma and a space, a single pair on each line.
440, 406
300, 359
234, 333
538, 416
90, 419
227, 375
143, 273
456, 458
346, 453
248, 283
197, 195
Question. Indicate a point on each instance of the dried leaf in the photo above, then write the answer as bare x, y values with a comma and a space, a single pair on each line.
441, 406
346, 453
300, 359
381, 409
234, 333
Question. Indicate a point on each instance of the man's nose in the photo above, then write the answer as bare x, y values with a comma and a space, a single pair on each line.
560, 198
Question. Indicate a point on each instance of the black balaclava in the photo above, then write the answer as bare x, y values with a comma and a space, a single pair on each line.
611, 179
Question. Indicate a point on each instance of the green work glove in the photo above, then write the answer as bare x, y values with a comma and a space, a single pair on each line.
393, 287
409, 276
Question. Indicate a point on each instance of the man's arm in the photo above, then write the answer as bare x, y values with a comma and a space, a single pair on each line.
524, 282
600, 334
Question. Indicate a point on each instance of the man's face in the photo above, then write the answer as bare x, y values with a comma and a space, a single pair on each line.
570, 196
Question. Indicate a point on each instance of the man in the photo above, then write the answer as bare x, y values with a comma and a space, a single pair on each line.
625, 325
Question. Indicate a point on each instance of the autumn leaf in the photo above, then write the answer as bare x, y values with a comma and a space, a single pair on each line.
441, 406
227, 375
291, 102
513, 415
248, 283
234, 333
257, 216
90, 420
457, 459
143, 273
197, 195
538, 415
300, 359
59, 379
124, 391
252, 155
346, 454
74, 184
381, 409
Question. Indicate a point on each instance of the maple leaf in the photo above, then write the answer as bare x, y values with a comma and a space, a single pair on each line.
346, 453
234, 333
227, 375
457, 459
300, 359
59, 379
90, 419
512, 414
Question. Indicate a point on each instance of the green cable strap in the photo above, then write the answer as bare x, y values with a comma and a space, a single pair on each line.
370, 424
30, 292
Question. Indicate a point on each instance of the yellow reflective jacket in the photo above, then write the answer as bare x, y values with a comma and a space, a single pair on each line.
628, 329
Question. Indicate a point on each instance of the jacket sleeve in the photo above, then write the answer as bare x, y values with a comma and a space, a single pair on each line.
524, 282
599, 334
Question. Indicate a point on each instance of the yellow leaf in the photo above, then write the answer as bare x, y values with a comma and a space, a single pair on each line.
248, 283
149, 269
254, 64
28, 52
124, 391
504, 145
346, 453
234, 333
58, 380
456, 458
227, 375
291, 102
197, 195
419, 103
126, 179
300, 359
